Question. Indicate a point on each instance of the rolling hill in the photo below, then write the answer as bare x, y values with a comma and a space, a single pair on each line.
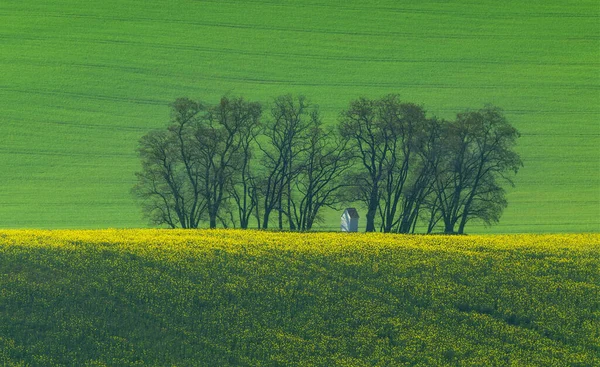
255, 298
81, 82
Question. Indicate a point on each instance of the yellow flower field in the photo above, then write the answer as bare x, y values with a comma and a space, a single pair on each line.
233, 297
314, 242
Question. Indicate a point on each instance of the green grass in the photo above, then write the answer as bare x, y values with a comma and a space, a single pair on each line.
81, 82
248, 298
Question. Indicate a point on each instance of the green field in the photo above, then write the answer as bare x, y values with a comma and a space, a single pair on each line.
251, 298
80, 82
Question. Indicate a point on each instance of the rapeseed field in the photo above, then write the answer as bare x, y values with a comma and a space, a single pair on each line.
254, 298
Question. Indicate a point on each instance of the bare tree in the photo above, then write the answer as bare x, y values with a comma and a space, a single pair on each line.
409, 167
243, 187
284, 139
419, 200
187, 171
402, 122
186, 114
385, 134
219, 143
480, 150
324, 163
361, 126
170, 179
420, 187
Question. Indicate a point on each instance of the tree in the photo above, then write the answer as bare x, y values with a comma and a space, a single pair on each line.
402, 123
188, 170
360, 125
284, 141
386, 135
422, 194
324, 162
420, 187
220, 142
206, 166
169, 183
480, 150
243, 187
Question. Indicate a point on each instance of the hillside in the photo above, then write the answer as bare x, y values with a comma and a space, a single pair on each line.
235, 298
82, 82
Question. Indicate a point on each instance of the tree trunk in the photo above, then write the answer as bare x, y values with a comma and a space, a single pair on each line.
289, 207
280, 217
257, 210
265, 223
372, 210
463, 221
370, 220
448, 226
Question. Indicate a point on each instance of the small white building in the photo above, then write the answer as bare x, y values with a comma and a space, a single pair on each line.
350, 220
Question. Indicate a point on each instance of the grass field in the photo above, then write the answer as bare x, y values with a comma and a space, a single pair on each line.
248, 298
80, 82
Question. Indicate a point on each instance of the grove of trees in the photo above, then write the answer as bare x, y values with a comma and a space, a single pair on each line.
278, 166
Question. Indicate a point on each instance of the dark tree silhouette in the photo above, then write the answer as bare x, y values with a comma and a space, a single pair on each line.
245, 116
421, 184
169, 183
402, 125
361, 126
187, 171
220, 164
285, 136
386, 135
221, 140
324, 162
479, 146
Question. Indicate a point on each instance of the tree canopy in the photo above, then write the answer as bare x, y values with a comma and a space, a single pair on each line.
228, 163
